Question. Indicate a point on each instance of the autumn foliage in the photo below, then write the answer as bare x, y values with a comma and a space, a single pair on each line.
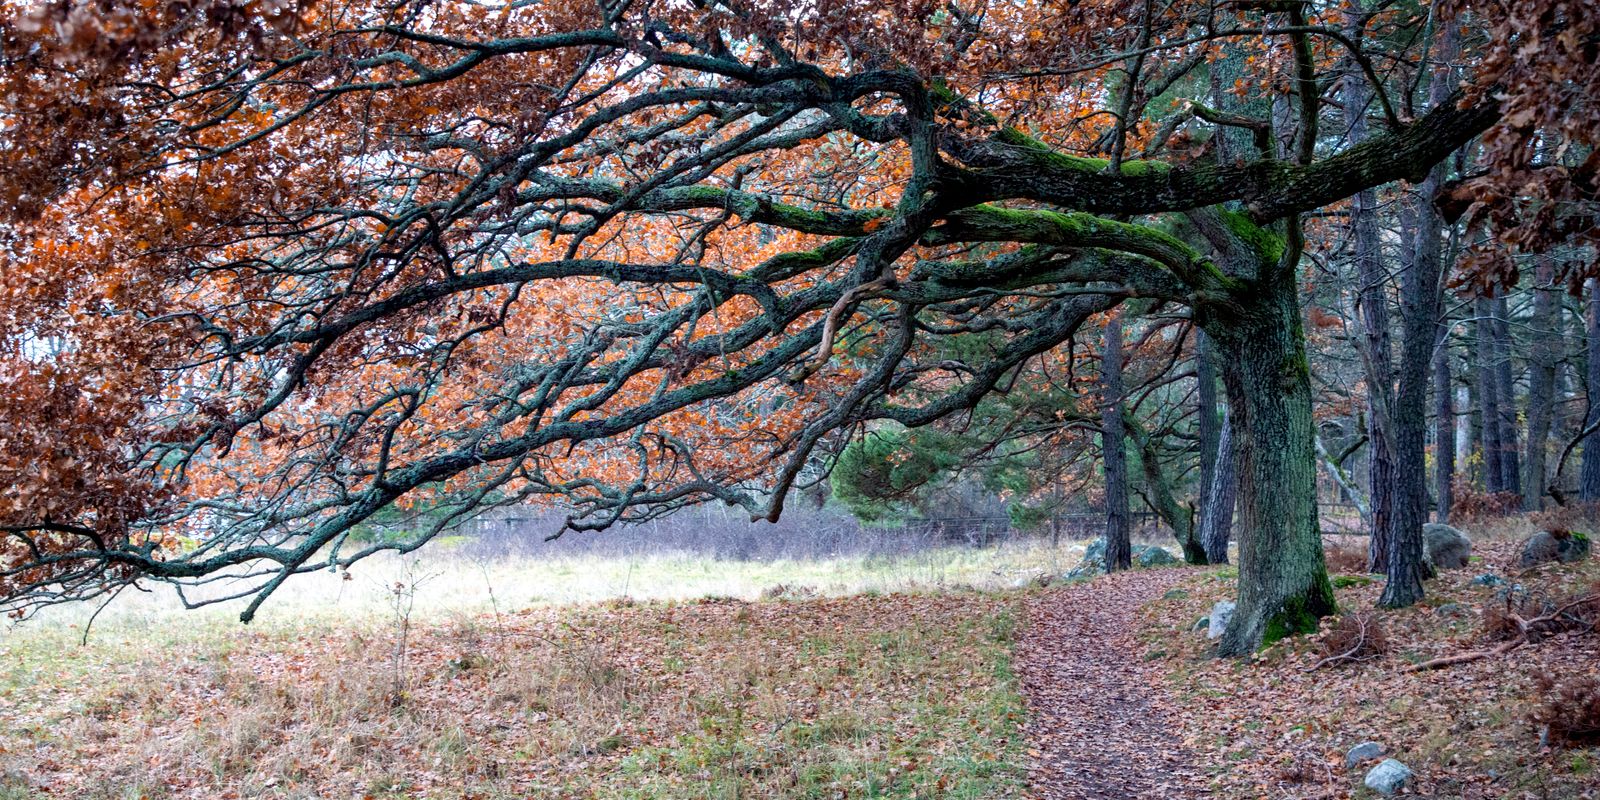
269, 268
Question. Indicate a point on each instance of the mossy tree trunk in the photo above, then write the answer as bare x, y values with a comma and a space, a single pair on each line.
1283, 580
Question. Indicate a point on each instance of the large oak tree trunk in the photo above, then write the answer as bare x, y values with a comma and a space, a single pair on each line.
1119, 552
1283, 580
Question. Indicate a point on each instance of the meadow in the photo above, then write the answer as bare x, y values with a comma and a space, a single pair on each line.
662, 675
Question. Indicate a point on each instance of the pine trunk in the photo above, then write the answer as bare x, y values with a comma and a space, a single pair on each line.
1216, 520
1421, 308
1119, 552
1589, 482
1543, 355
1444, 433
1510, 453
1488, 398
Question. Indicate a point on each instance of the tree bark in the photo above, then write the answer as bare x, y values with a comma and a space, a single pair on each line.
1589, 482
1216, 515
1444, 432
1372, 300
1283, 578
1543, 355
1488, 397
1206, 411
1422, 307
1160, 496
1505, 390
1119, 552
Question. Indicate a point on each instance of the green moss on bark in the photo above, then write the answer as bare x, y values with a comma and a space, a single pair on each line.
1301, 613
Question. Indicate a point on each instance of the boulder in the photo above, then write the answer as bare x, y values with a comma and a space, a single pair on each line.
1093, 563
1389, 777
1151, 556
1488, 579
1545, 547
1445, 547
1221, 614
1094, 559
1361, 754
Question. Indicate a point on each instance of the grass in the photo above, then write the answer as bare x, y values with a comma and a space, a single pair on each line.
581, 678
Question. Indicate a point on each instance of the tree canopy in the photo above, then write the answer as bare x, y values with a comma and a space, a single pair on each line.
271, 268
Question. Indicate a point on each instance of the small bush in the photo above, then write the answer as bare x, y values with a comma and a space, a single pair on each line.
1354, 638
1568, 711
784, 591
1504, 617
1472, 505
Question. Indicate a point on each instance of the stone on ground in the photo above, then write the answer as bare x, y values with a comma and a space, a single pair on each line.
1445, 547
1545, 547
1388, 777
1362, 753
1094, 559
1221, 615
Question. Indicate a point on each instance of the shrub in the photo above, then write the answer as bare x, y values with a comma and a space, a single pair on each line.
1354, 638
1472, 505
1568, 711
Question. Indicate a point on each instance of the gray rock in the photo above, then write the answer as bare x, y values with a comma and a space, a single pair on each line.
1361, 754
1545, 547
1150, 556
1488, 579
1445, 547
1388, 777
1221, 614
1515, 593
1093, 563
1094, 559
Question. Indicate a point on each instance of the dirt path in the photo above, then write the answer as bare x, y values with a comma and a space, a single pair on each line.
1097, 729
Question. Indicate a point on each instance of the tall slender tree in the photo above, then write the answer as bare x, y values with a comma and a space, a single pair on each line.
1113, 437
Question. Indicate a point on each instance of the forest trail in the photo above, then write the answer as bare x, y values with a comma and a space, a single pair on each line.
1098, 728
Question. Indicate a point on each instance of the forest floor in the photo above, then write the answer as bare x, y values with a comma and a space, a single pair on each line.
1276, 725
1096, 729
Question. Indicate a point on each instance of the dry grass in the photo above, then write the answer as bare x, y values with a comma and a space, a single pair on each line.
822, 698
870, 695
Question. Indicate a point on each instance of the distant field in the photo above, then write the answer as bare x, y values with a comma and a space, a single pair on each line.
568, 677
